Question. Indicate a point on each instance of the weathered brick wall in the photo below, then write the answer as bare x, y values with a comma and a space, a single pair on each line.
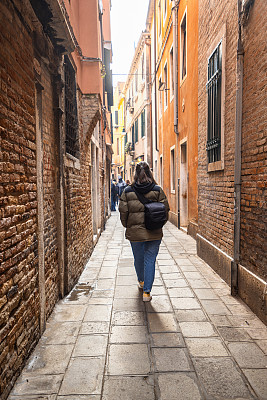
19, 301
78, 205
49, 190
254, 143
216, 189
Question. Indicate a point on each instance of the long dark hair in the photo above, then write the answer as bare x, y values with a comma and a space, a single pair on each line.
143, 173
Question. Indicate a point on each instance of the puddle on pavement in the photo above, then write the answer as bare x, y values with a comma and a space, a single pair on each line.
80, 290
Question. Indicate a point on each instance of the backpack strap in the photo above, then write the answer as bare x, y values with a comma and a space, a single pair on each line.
142, 198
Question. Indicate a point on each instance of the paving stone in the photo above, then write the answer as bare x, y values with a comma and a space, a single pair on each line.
158, 290
185, 303
239, 310
248, 355
101, 300
178, 385
167, 340
68, 312
190, 315
192, 275
206, 294
127, 359
36, 385
105, 284
221, 378
162, 322
103, 294
167, 262
90, 346
88, 328
129, 387
164, 256
257, 333
136, 304
125, 280
197, 329
107, 272
180, 292
188, 268
130, 292
215, 307
98, 313
128, 318
263, 345
201, 347
183, 261
258, 380
176, 283
168, 269
126, 271
172, 276
79, 397
199, 284
233, 334
60, 332
220, 320
50, 359
83, 376
171, 359
128, 334
245, 321
34, 397
158, 282
159, 304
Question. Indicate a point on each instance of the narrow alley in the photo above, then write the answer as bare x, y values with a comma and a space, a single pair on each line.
193, 341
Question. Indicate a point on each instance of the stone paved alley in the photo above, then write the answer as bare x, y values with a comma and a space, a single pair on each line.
193, 341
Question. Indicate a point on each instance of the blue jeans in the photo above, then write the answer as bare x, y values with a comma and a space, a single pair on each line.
145, 254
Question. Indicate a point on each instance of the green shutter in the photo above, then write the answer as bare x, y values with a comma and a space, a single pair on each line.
136, 130
143, 123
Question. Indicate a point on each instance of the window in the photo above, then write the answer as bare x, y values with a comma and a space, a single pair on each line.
71, 114
214, 86
159, 17
160, 97
172, 175
133, 139
118, 146
136, 130
183, 48
171, 73
116, 118
161, 171
165, 8
165, 86
143, 123
155, 172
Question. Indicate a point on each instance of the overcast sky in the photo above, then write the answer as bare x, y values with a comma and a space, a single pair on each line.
128, 18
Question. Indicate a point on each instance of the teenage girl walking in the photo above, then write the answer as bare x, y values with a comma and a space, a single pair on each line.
145, 243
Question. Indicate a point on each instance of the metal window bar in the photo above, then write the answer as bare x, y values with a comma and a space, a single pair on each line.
71, 117
213, 86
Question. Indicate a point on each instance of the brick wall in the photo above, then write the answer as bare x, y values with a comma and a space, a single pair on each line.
216, 189
254, 143
19, 301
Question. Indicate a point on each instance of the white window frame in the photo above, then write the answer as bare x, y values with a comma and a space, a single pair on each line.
165, 96
161, 170
182, 79
172, 170
160, 99
171, 79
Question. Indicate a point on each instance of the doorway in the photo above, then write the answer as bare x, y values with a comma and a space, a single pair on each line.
184, 186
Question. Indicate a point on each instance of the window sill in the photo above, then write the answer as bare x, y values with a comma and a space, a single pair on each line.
72, 162
215, 166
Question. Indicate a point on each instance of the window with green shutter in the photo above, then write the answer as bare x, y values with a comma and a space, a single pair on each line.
143, 123
136, 130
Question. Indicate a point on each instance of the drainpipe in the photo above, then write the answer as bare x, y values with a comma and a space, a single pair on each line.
175, 59
237, 178
155, 77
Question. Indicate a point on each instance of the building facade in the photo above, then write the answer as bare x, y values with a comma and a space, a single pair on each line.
231, 148
118, 131
136, 93
55, 162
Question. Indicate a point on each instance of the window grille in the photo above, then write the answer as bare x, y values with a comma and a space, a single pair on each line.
136, 130
214, 85
143, 123
71, 117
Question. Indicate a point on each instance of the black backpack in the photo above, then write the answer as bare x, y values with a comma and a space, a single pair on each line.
155, 212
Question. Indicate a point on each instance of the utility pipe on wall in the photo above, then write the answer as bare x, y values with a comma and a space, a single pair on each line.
237, 178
